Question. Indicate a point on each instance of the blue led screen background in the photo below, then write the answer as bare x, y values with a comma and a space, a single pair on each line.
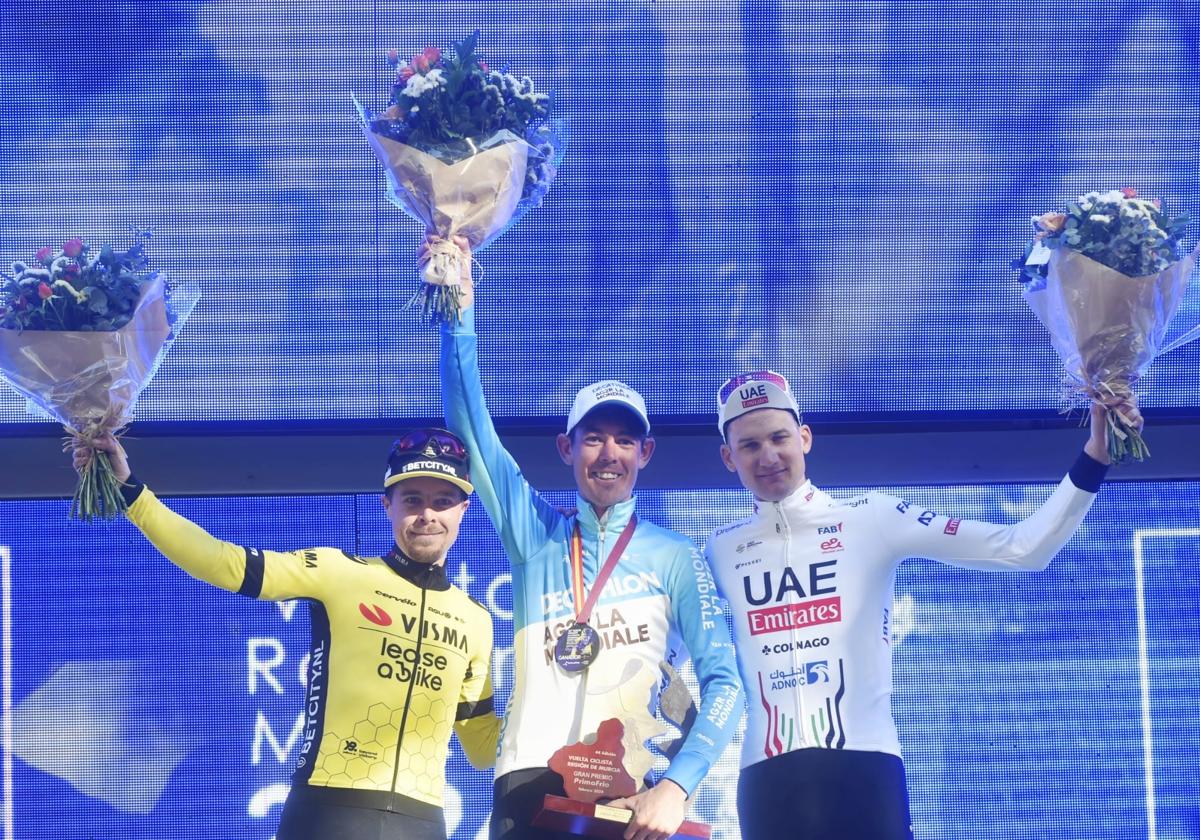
833, 190
147, 705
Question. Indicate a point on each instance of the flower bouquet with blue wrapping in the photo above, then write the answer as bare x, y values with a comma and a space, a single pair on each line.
82, 332
467, 151
1105, 277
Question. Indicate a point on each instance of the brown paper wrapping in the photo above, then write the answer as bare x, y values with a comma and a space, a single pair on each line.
88, 381
1107, 327
474, 198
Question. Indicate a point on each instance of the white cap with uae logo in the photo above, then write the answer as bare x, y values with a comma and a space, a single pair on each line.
748, 392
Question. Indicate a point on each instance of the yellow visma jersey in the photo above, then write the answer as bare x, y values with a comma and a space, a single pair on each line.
399, 656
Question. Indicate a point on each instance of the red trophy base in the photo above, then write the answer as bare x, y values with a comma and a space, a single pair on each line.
588, 819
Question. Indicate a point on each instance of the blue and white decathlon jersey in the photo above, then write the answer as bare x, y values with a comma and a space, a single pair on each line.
809, 583
659, 605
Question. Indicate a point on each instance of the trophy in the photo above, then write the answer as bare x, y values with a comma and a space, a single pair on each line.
611, 765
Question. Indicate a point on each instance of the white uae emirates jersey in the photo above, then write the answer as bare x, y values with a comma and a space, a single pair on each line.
809, 582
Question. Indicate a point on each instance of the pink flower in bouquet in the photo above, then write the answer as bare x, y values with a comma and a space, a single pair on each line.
45, 292
405, 73
421, 62
1129, 192
73, 247
483, 65
433, 54
393, 55
44, 255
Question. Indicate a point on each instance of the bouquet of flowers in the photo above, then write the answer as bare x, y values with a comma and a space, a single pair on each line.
1105, 277
82, 331
467, 151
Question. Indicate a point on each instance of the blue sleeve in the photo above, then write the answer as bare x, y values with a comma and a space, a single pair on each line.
522, 518
698, 613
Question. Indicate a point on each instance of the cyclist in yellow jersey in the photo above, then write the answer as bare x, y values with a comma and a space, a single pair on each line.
399, 655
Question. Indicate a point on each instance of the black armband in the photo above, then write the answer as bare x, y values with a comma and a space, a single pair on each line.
1088, 473
131, 489
466, 711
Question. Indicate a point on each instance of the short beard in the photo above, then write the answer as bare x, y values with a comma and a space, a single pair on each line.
426, 558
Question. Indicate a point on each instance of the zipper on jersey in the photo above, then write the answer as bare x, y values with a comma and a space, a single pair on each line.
412, 683
785, 532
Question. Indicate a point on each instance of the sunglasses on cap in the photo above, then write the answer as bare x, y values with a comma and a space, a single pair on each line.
735, 382
442, 442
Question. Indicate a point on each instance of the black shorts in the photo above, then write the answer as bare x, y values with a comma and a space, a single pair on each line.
816, 794
317, 813
518, 798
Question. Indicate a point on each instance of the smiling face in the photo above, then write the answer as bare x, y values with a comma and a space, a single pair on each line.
766, 448
606, 450
425, 514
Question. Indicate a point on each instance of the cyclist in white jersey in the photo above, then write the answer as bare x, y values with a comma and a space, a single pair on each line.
809, 582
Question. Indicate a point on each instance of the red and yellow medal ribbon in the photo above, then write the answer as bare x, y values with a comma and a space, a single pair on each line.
584, 606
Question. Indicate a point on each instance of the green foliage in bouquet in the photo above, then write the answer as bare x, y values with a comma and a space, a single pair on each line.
455, 101
1115, 228
75, 288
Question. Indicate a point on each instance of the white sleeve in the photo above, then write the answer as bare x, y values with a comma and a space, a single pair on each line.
1028, 545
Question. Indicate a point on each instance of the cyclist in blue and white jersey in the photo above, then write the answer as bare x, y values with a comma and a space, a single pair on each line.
809, 582
659, 599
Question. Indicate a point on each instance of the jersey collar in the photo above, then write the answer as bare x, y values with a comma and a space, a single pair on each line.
615, 518
424, 575
804, 499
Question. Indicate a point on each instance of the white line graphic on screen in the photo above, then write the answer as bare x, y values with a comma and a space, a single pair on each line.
6, 701
1139, 538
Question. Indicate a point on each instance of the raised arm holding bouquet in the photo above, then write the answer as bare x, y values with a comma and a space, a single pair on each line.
82, 331
1105, 278
467, 151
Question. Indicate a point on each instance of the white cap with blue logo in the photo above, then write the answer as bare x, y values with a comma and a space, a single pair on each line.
607, 392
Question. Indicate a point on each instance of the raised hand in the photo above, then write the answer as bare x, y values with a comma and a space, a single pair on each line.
83, 453
1100, 442
438, 247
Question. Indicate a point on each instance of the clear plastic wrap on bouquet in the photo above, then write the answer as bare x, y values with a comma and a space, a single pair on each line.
547, 144
90, 381
1107, 328
474, 190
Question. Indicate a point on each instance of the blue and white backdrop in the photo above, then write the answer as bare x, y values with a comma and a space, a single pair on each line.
830, 189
